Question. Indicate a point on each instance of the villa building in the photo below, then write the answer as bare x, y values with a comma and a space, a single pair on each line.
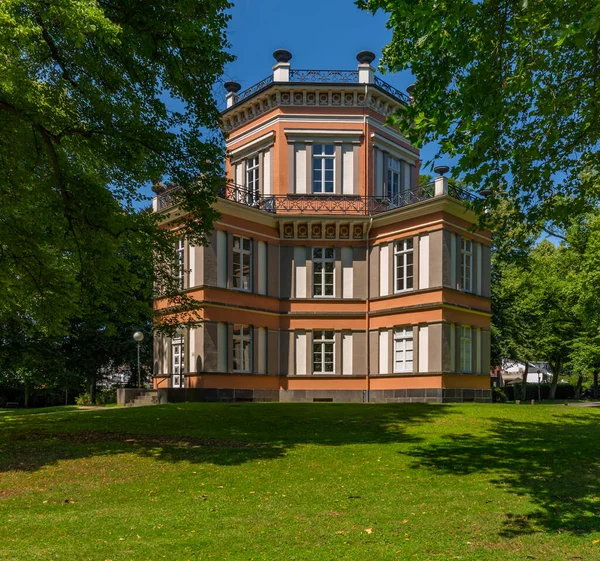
331, 274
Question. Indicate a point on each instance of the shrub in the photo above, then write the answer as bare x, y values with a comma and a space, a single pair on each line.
563, 391
498, 396
105, 397
84, 399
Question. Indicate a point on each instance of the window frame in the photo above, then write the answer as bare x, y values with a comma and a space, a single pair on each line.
252, 177
179, 344
466, 264
402, 254
240, 252
391, 172
403, 334
321, 270
321, 342
180, 251
241, 340
323, 157
466, 335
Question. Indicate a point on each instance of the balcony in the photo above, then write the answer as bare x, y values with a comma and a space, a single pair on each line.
329, 204
312, 77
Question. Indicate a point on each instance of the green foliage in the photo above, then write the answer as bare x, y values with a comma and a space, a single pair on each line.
84, 399
545, 302
509, 88
499, 396
98, 99
104, 397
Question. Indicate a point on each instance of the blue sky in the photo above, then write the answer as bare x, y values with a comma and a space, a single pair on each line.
320, 34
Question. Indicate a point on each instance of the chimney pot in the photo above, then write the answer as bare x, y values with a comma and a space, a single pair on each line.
281, 55
365, 57
232, 87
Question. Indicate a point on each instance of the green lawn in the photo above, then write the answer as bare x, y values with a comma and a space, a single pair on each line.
301, 481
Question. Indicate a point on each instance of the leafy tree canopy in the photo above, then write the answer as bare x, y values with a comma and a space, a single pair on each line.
97, 99
510, 88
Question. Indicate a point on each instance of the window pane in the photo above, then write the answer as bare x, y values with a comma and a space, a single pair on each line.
317, 252
329, 252
329, 149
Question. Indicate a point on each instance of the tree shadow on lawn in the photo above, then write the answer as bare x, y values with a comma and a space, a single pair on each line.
555, 464
221, 434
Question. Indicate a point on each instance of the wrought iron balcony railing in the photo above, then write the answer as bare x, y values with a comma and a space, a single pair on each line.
322, 77
327, 203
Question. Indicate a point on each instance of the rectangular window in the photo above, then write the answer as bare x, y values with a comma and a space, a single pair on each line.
404, 264
178, 357
403, 349
180, 249
323, 343
323, 168
253, 179
466, 345
242, 348
242, 263
323, 271
393, 178
466, 261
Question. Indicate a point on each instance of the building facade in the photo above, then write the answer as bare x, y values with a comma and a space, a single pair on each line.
331, 275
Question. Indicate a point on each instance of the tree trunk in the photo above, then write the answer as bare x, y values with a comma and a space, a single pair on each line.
93, 388
579, 386
555, 376
26, 398
595, 392
524, 386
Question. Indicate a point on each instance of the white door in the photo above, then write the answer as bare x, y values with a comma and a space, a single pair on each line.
178, 378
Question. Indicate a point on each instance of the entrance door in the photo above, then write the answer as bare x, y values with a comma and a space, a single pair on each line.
178, 378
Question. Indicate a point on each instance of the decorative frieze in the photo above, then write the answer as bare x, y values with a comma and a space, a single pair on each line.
321, 230
305, 96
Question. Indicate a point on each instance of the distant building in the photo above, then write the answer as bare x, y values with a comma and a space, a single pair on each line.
512, 372
331, 275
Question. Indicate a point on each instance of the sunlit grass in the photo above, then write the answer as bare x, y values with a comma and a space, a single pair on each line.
300, 481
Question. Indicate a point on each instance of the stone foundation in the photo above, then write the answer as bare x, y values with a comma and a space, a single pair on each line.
180, 395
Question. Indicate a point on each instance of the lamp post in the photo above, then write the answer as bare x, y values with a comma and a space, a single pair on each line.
138, 337
539, 386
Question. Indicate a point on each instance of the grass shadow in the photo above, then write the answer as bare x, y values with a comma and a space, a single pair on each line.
555, 464
221, 434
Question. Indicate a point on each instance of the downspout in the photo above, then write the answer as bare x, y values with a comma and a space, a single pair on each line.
367, 315
368, 260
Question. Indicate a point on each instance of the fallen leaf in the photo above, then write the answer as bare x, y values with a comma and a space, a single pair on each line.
369, 530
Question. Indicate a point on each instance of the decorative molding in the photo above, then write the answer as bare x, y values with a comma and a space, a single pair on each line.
325, 229
310, 95
323, 135
262, 143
